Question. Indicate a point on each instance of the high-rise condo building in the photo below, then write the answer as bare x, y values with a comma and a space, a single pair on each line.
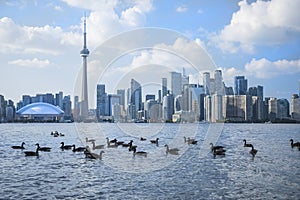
176, 83
136, 94
240, 85
101, 109
164, 87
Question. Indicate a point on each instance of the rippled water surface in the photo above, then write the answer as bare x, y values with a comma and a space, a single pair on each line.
274, 173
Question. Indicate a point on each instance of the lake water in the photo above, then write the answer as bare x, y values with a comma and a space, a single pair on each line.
274, 173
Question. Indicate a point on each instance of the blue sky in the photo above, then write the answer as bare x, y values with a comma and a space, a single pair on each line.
40, 41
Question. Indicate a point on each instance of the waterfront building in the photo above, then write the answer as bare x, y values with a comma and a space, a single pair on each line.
152, 111
283, 109
237, 108
168, 107
59, 99
121, 93
193, 100
176, 83
272, 110
101, 107
67, 108
178, 101
26, 99
207, 108
240, 85
136, 94
295, 107
219, 85
164, 87
113, 99
40, 112
216, 108
206, 82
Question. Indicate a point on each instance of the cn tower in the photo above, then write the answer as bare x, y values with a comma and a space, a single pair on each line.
84, 105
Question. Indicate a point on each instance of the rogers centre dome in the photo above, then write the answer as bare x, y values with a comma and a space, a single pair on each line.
40, 112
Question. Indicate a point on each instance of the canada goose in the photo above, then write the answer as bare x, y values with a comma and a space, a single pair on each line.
113, 141
173, 151
215, 147
110, 145
32, 153
19, 147
119, 143
78, 149
253, 151
63, 146
220, 152
61, 134
131, 147
140, 153
155, 141
245, 144
98, 146
143, 139
127, 144
297, 144
87, 150
190, 141
94, 155
43, 148
89, 140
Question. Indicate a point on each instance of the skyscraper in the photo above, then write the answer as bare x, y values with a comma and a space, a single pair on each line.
101, 101
176, 83
136, 94
164, 88
206, 82
240, 85
84, 105
219, 86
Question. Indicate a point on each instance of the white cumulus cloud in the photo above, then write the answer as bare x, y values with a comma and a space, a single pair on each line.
260, 23
266, 69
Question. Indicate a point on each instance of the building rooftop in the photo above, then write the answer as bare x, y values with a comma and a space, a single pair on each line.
40, 108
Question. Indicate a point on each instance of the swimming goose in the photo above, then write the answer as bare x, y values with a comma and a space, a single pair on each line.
32, 153
131, 147
110, 145
253, 151
143, 139
173, 151
89, 140
113, 141
19, 147
215, 147
245, 144
297, 144
190, 141
154, 141
219, 152
67, 147
140, 153
95, 156
78, 149
98, 146
43, 148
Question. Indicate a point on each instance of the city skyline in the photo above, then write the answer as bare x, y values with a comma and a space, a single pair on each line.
42, 52
212, 101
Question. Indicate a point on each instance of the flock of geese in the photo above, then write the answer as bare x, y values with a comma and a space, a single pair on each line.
89, 152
